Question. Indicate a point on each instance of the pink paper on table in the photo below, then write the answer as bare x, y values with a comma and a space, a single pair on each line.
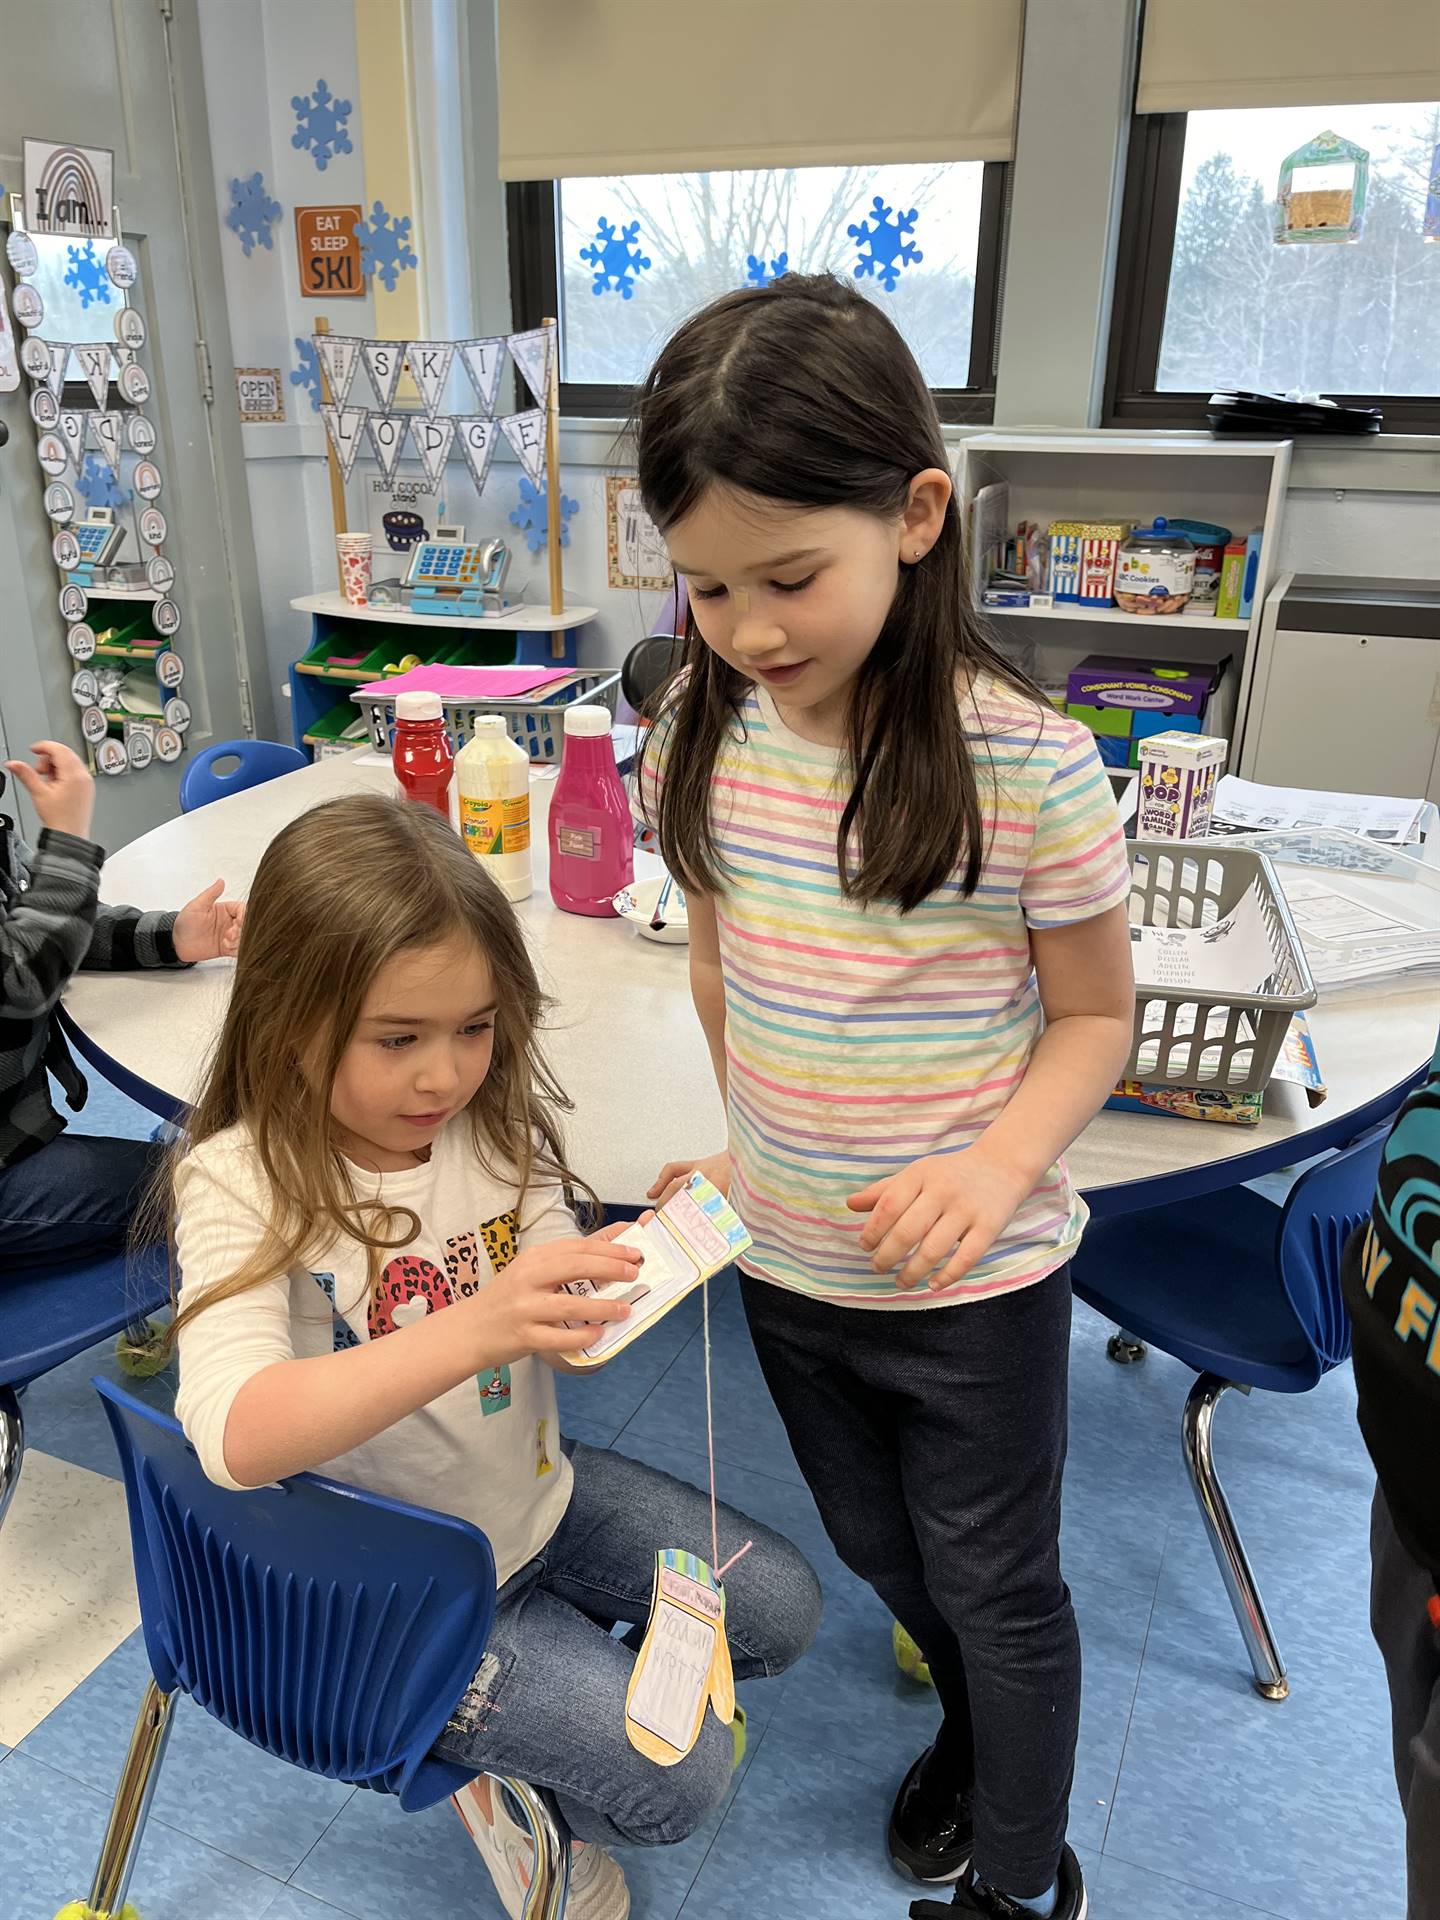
469, 683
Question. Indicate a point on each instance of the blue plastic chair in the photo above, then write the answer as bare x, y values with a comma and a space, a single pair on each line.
334, 1628
52, 1313
256, 762
1248, 1295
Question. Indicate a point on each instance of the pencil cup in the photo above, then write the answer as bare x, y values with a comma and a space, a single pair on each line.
354, 551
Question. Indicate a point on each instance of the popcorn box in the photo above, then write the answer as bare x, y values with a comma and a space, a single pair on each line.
1178, 772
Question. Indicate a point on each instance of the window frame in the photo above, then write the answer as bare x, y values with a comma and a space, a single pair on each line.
1146, 248
531, 208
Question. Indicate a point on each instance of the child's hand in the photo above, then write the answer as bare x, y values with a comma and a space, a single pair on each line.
676, 1174
939, 1216
207, 927
61, 786
525, 1310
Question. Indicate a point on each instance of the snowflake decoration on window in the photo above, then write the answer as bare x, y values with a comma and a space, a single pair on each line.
615, 258
385, 247
890, 252
307, 374
88, 275
98, 487
532, 515
251, 212
757, 275
320, 124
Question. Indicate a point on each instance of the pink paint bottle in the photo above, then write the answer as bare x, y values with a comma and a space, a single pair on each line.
592, 839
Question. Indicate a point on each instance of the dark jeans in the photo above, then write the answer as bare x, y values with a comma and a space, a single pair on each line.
1400, 1592
934, 1441
75, 1197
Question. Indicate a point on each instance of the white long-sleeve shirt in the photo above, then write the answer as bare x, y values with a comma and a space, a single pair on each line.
489, 1450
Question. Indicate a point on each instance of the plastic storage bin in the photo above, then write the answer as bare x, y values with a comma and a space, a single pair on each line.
1229, 1043
536, 720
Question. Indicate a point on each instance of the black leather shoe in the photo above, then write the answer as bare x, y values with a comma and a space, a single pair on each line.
930, 1831
982, 1902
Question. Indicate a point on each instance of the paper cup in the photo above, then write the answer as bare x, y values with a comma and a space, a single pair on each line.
354, 551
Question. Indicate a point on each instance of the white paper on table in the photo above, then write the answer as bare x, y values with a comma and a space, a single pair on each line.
1348, 940
1232, 955
1245, 803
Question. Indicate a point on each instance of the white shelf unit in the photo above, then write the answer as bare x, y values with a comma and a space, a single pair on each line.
1238, 484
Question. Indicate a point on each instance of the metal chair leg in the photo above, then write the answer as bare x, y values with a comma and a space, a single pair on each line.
12, 1447
132, 1804
1124, 1349
550, 1888
1196, 1439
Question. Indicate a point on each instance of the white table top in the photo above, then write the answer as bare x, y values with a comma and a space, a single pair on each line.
624, 1039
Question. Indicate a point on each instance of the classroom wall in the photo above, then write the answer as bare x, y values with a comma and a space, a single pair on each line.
1052, 352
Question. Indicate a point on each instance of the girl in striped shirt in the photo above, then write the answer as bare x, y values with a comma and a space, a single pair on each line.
908, 950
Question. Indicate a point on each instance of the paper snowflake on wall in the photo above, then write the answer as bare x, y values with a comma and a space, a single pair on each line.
532, 515
252, 212
98, 487
307, 374
756, 274
385, 249
87, 275
320, 124
615, 258
889, 252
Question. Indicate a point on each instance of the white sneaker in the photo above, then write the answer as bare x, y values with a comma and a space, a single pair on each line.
597, 1886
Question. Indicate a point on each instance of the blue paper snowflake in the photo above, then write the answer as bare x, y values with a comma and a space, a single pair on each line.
384, 245
320, 124
615, 258
251, 212
307, 374
532, 516
890, 252
88, 275
98, 487
756, 272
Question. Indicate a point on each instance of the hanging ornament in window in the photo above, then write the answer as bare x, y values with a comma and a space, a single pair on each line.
1432, 199
1321, 197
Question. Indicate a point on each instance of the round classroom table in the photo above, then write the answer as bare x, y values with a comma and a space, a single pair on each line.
628, 1049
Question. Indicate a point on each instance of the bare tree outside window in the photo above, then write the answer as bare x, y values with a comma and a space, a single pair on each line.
701, 232
1362, 318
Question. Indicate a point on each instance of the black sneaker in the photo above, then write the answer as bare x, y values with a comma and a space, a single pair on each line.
930, 1831
972, 1896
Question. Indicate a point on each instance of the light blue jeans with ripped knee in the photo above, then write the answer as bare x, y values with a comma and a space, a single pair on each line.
548, 1704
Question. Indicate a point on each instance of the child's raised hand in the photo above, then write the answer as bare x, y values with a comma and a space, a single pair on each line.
938, 1217
60, 785
525, 1309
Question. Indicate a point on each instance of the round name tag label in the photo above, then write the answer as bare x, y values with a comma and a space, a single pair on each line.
135, 384
167, 744
60, 503
65, 550
28, 307
111, 757
94, 725
130, 329
121, 267
22, 253
80, 641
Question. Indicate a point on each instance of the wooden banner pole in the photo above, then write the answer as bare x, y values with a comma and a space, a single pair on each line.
337, 485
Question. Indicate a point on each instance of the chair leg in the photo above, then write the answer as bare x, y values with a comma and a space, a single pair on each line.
132, 1804
1124, 1349
12, 1447
550, 1888
1196, 1439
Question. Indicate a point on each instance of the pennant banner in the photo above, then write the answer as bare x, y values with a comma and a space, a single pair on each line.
478, 436
384, 362
387, 437
339, 355
72, 428
95, 365
484, 362
531, 353
432, 442
107, 432
429, 364
346, 427
526, 434
59, 355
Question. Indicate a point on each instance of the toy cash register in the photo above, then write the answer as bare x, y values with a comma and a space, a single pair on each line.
98, 536
457, 577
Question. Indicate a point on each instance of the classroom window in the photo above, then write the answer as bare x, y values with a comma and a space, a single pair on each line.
624, 260
1207, 300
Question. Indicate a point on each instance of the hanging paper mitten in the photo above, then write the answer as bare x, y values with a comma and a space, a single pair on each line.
683, 1664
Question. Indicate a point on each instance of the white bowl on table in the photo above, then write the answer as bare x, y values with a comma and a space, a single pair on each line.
636, 903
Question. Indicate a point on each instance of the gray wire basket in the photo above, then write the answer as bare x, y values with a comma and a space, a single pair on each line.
535, 721
1230, 1042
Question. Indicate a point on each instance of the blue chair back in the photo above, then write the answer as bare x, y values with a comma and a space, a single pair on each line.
334, 1628
258, 761
49, 1314
1322, 1210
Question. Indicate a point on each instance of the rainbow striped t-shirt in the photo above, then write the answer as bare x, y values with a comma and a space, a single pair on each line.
858, 1039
